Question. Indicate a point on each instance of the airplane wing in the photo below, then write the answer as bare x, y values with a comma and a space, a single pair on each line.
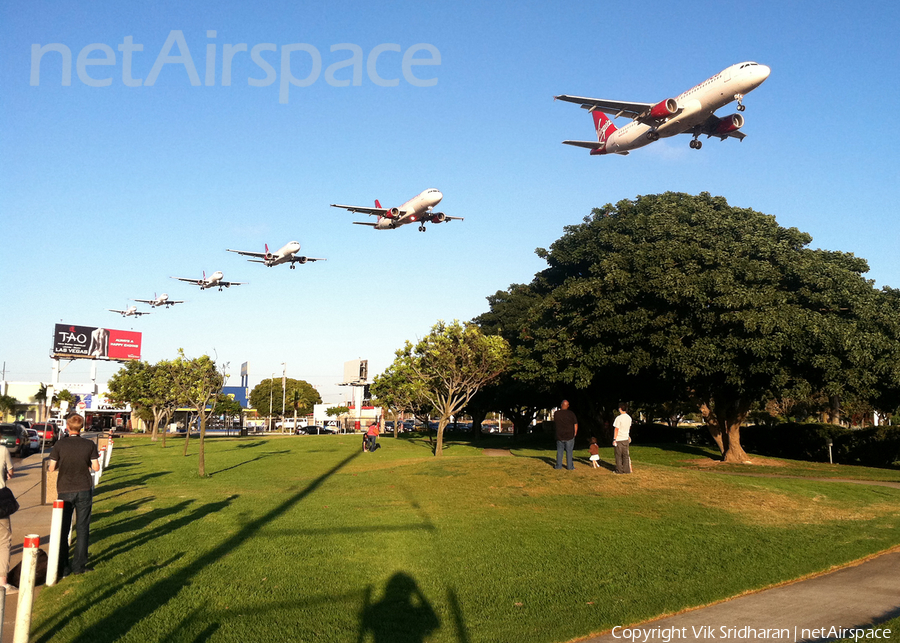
367, 210
711, 127
305, 259
228, 284
196, 282
641, 112
145, 301
247, 253
365, 223
614, 107
121, 312
138, 313
171, 302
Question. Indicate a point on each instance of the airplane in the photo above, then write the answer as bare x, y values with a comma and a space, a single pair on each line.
419, 208
213, 281
284, 255
689, 113
131, 311
162, 300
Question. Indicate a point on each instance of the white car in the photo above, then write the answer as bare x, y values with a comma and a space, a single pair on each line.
34, 440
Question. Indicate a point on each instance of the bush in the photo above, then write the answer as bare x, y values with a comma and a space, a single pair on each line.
874, 446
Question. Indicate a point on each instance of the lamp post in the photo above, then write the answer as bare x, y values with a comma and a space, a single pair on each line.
829, 443
283, 391
269, 422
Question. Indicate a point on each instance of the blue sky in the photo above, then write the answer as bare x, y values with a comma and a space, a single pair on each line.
105, 192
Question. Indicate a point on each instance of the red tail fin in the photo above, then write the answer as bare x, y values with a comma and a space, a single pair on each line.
603, 125
377, 203
267, 248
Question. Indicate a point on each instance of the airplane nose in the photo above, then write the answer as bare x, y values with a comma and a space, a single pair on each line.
764, 71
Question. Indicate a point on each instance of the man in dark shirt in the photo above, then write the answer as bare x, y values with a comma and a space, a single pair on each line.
75, 457
566, 430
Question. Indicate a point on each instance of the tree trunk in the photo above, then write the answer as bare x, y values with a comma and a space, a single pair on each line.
477, 419
442, 424
730, 413
712, 423
202, 459
187, 436
834, 410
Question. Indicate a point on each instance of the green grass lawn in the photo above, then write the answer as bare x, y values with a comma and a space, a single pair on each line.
308, 539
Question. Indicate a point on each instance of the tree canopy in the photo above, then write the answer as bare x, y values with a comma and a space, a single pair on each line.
299, 395
674, 296
444, 370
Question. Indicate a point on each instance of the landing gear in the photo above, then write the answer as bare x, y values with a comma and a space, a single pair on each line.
696, 145
421, 228
740, 99
653, 135
293, 266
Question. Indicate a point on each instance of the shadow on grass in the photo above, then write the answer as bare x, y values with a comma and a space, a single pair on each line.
128, 614
143, 521
261, 456
62, 617
128, 483
686, 449
403, 615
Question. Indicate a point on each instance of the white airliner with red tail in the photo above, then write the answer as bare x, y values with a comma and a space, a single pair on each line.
689, 113
286, 254
131, 311
162, 300
418, 209
213, 281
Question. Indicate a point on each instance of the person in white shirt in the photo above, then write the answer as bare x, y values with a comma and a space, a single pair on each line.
5, 528
621, 439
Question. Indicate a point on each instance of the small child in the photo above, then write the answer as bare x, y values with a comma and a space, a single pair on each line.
595, 453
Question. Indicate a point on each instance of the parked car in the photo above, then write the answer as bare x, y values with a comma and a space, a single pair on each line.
34, 440
48, 432
13, 437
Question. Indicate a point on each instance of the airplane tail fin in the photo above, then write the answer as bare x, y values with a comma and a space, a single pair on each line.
603, 126
377, 203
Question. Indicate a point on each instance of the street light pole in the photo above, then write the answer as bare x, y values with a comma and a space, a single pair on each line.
283, 391
269, 422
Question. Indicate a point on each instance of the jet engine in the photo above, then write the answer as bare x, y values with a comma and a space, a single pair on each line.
301, 260
393, 213
664, 109
729, 124
438, 217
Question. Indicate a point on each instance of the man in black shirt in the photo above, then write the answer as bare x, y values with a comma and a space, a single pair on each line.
75, 458
566, 430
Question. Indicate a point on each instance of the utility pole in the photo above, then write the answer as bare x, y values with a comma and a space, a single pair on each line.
269, 422
283, 391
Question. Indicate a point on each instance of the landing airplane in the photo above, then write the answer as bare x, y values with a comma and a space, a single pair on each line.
131, 311
419, 208
213, 281
689, 113
284, 255
162, 300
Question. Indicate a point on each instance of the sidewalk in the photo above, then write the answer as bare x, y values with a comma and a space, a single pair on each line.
31, 518
851, 597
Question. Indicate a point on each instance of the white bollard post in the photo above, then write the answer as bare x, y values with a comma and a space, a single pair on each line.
101, 459
55, 542
109, 446
26, 589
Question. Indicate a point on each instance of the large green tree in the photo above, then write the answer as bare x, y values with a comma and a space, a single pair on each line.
449, 365
677, 296
299, 396
147, 387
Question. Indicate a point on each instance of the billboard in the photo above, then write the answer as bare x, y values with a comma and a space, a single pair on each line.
89, 342
356, 371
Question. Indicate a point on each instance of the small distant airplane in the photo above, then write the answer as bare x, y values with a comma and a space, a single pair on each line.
131, 311
213, 281
419, 208
162, 300
284, 255
689, 113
